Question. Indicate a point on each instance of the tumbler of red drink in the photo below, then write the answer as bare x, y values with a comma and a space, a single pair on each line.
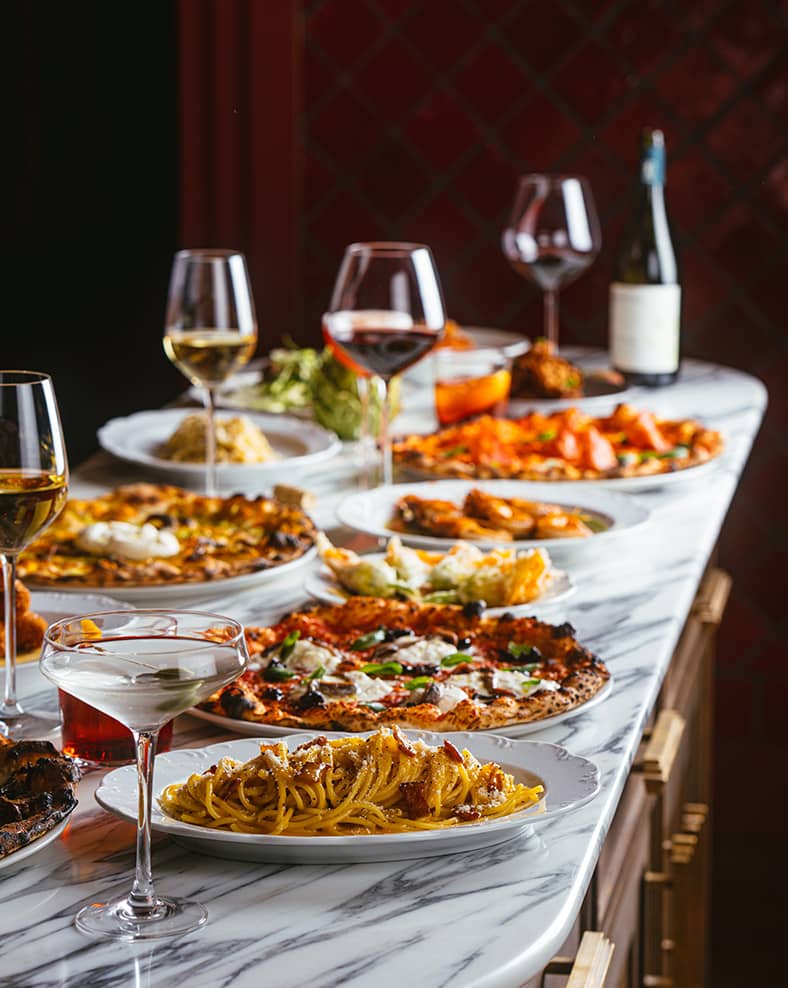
97, 739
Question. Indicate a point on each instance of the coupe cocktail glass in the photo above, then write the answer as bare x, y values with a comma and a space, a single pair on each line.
143, 668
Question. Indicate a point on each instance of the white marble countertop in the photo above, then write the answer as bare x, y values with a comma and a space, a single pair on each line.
490, 919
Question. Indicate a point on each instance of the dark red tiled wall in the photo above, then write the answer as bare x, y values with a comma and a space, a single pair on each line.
420, 114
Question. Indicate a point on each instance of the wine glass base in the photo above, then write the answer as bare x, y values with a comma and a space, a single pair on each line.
116, 920
26, 725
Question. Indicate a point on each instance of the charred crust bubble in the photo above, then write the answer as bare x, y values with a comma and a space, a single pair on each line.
273, 693
565, 630
507, 616
283, 540
312, 698
474, 608
234, 703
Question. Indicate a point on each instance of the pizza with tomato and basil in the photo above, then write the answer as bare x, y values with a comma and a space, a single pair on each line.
446, 668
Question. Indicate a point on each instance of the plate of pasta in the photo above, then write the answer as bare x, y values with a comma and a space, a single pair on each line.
385, 795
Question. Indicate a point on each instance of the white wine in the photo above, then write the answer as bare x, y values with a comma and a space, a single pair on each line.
29, 501
645, 297
208, 356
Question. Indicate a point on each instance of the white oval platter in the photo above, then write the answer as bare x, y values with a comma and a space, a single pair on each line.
569, 781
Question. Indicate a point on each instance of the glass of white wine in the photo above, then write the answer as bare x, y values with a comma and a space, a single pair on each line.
210, 329
33, 490
143, 668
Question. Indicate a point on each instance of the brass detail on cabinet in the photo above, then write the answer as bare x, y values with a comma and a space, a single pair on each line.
657, 981
693, 817
712, 597
661, 750
658, 878
589, 968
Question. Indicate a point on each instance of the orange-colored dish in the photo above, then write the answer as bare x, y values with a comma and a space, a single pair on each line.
565, 445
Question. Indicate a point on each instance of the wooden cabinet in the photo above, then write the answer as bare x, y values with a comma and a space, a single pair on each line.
650, 891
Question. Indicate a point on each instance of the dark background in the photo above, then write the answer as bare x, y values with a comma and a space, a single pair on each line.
289, 129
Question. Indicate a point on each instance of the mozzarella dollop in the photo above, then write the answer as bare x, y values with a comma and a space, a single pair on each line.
515, 681
368, 689
450, 697
307, 657
121, 538
424, 651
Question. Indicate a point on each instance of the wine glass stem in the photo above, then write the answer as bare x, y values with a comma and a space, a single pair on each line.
210, 444
142, 898
384, 438
551, 316
10, 707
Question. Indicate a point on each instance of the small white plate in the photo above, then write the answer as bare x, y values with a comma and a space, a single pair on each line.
167, 593
569, 781
323, 586
299, 445
17, 857
371, 511
250, 729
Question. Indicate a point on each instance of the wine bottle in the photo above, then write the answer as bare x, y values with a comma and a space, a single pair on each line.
645, 297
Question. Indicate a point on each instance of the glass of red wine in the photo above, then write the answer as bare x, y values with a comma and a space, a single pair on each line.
552, 237
386, 313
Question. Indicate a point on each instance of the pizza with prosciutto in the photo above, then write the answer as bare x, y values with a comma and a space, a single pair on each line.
444, 668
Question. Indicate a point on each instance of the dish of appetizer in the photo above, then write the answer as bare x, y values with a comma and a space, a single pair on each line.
436, 513
542, 373
37, 793
503, 579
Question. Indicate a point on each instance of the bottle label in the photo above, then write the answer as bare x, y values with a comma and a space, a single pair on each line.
644, 328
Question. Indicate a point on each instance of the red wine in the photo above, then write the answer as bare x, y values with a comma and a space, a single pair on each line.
553, 268
384, 352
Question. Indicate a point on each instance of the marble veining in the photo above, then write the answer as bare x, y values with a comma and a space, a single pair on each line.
487, 919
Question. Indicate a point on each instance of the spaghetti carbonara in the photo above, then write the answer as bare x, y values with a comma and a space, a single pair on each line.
382, 784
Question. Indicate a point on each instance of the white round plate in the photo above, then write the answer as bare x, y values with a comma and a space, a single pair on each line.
168, 593
250, 729
323, 587
17, 857
299, 445
569, 781
644, 483
371, 511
